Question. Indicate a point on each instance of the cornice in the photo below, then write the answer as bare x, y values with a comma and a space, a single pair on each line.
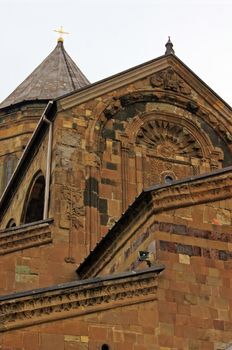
112, 83
193, 191
142, 71
24, 237
78, 298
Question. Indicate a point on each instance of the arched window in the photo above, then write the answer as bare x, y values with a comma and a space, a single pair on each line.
9, 166
34, 204
11, 223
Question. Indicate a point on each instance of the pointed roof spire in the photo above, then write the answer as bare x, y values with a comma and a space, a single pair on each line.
169, 47
55, 76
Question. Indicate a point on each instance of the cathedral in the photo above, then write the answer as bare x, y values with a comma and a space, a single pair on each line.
115, 210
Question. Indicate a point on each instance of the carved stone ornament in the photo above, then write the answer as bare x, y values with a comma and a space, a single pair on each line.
169, 80
168, 139
218, 187
27, 237
72, 207
77, 298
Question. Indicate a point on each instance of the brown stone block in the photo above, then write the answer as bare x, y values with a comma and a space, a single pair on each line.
166, 328
165, 340
140, 347
180, 286
13, 339
147, 317
130, 337
98, 333
181, 320
140, 339
125, 346
206, 345
31, 341
179, 343
194, 344
171, 307
165, 317
118, 336
75, 346
183, 309
51, 341
179, 330
148, 330
114, 208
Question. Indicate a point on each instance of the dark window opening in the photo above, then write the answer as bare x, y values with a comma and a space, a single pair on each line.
35, 202
105, 347
168, 179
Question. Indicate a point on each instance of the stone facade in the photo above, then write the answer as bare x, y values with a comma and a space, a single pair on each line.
16, 127
155, 126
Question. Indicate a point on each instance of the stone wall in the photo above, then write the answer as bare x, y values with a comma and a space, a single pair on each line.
16, 127
130, 327
112, 145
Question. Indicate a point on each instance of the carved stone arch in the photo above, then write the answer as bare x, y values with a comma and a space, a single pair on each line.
175, 123
166, 144
34, 201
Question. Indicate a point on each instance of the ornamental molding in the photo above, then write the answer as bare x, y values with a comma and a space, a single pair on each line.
20, 238
78, 298
206, 189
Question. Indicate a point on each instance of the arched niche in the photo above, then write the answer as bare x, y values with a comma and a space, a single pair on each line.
34, 202
11, 223
165, 143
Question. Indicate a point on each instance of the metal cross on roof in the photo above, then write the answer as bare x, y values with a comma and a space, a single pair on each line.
61, 32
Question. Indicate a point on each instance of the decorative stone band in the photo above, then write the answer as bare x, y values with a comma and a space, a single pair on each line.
193, 250
194, 191
77, 298
23, 237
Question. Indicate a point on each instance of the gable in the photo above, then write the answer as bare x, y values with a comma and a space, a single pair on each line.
154, 123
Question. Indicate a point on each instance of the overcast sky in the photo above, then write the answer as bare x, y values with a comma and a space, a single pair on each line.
108, 36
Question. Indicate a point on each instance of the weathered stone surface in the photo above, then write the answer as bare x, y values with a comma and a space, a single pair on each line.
158, 126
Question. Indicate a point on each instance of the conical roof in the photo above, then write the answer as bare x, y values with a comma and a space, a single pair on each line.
54, 77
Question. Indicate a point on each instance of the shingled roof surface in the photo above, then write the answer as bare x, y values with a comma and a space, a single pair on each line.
54, 77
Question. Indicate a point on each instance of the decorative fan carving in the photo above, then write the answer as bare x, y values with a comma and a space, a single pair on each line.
168, 139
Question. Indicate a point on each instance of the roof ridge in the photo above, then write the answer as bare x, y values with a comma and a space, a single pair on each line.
67, 65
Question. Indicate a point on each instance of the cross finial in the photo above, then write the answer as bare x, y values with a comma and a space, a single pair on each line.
61, 32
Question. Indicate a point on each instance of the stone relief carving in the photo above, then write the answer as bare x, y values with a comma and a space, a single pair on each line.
72, 207
25, 238
169, 80
168, 139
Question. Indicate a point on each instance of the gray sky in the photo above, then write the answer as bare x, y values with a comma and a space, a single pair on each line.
108, 36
